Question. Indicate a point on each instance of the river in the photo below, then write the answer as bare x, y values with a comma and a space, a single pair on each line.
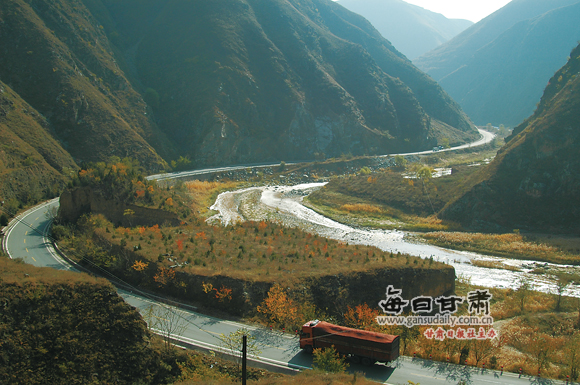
283, 204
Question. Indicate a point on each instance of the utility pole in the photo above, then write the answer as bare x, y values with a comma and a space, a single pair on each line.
244, 349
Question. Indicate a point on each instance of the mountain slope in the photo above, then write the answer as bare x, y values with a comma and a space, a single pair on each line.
496, 70
57, 58
32, 162
411, 29
221, 82
278, 80
533, 182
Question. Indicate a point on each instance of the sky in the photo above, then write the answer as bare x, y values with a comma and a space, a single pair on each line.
473, 10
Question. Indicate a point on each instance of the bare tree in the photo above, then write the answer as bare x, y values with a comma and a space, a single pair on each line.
165, 321
523, 291
562, 282
234, 341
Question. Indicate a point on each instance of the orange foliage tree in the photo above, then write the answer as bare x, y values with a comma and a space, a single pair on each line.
361, 317
164, 276
278, 307
139, 265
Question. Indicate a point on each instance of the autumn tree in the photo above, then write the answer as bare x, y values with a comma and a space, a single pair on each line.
278, 307
361, 316
484, 349
541, 346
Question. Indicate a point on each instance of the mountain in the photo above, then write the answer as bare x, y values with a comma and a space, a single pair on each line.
55, 56
496, 69
220, 82
533, 182
271, 80
413, 30
32, 162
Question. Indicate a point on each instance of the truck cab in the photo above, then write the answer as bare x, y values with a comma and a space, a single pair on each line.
306, 341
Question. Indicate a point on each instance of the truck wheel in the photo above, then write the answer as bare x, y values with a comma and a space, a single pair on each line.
355, 359
366, 361
308, 349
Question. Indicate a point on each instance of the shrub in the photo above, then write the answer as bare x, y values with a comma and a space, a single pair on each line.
328, 360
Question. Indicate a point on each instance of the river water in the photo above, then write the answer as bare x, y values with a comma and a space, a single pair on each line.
283, 204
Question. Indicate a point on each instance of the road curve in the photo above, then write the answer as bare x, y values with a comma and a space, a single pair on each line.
26, 238
486, 137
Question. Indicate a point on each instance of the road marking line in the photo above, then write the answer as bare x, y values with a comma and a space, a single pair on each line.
26, 233
24, 240
37, 218
33, 259
209, 331
26, 249
434, 378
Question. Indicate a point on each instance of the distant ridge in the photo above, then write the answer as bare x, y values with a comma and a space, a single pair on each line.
496, 69
413, 30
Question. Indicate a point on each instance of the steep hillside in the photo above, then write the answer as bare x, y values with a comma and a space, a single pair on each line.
411, 29
496, 70
32, 162
62, 327
533, 183
55, 55
220, 82
276, 80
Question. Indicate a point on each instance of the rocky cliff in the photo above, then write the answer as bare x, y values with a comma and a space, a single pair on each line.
84, 200
533, 182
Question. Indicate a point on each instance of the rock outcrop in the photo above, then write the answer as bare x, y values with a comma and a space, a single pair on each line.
84, 200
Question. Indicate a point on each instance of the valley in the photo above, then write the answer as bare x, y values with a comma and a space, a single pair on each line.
174, 174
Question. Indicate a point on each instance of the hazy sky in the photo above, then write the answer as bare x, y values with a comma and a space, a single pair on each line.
473, 10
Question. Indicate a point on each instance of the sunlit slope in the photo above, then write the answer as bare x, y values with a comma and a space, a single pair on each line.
533, 183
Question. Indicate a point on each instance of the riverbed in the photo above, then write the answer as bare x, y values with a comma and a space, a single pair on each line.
283, 204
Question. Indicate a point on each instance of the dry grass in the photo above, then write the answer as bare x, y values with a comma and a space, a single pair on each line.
16, 271
493, 265
361, 208
203, 193
509, 245
313, 377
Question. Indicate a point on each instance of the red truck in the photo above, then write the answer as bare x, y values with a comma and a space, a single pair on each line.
359, 345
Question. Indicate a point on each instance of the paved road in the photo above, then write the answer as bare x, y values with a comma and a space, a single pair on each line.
26, 238
486, 137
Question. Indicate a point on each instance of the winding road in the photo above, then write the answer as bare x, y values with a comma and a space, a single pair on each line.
26, 237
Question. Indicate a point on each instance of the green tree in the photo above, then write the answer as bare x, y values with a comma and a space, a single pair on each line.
425, 173
400, 161
365, 171
328, 360
234, 343
445, 143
